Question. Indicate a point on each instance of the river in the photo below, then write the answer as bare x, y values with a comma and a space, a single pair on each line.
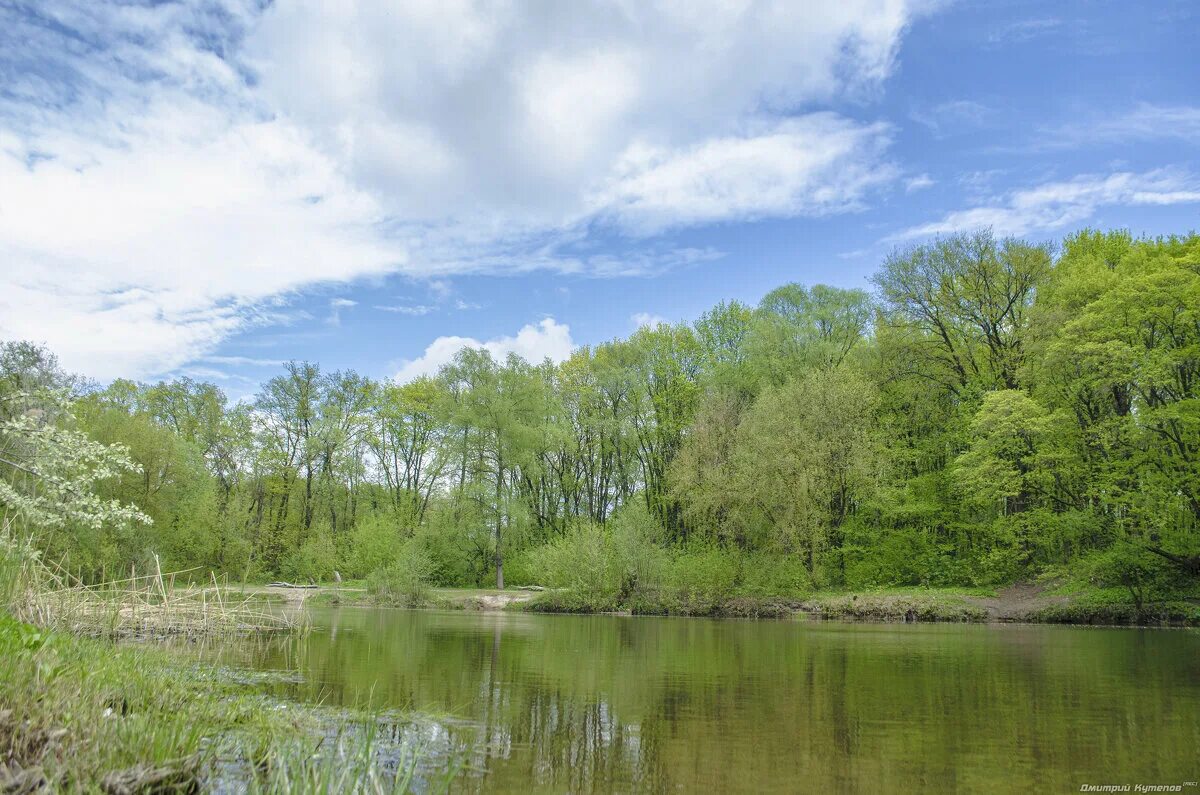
536, 703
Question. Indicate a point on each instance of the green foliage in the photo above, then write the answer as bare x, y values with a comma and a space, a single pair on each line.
375, 544
314, 561
798, 329
405, 582
1134, 569
583, 564
993, 412
79, 711
697, 579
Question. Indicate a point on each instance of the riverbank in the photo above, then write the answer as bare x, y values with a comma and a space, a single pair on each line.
1052, 603
1049, 603
85, 715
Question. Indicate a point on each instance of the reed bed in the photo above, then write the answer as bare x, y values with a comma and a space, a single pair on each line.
151, 605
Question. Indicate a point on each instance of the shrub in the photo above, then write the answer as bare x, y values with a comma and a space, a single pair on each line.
313, 562
1142, 574
765, 575
375, 544
406, 582
581, 564
636, 561
698, 579
601, 569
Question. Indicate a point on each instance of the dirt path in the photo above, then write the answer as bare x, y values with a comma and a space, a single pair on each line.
1017, 602
499, 601
298, 595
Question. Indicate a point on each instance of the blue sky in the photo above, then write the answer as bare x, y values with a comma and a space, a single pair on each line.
210, 189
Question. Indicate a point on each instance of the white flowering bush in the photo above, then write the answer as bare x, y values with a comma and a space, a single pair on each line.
49, 472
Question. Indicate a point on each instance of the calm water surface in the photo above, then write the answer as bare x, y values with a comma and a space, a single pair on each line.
599, 703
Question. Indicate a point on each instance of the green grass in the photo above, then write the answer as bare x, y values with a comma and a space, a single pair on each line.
88, 716
890, 604
899, 604
1085, 603
1094, 605
660, 604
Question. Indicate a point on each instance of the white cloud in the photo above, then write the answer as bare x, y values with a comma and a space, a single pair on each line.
478, 111
1145, 122
129, 262
412, 311
954, 116
640, 319
142, 222
336, 306
812, 165
1025, 30
173, 174
534, 343
919, 182
1055, 205
246, 361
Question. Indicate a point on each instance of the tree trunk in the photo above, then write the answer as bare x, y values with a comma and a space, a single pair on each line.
499, 519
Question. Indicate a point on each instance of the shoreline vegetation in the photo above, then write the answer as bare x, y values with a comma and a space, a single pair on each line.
996, 411
82, 714
91, 701
1047, 603
1002, 431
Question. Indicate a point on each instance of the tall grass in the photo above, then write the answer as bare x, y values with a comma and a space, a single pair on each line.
85, 715
147, 605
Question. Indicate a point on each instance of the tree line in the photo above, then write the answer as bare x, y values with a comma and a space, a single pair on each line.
991, 410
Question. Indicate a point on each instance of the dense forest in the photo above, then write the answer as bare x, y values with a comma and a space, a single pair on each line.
992, 410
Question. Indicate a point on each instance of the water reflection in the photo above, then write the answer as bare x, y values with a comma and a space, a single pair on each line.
582, 704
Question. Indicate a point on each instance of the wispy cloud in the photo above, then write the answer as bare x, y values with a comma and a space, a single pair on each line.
401, 309
244, 361
952, 117
1024, 30
919, 182
1055, 205
213, 374
812, 165
336, 306
1144, 122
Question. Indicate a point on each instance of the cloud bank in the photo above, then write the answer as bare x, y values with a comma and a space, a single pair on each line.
172, 174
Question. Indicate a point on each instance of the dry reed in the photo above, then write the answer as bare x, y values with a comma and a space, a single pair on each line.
139, 606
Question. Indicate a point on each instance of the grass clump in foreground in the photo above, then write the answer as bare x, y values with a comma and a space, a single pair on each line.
147, 606
86, 715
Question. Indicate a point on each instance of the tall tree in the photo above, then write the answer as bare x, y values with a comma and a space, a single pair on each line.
961, 306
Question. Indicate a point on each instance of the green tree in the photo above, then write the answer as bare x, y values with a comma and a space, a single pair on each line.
1120, 343
961, 306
